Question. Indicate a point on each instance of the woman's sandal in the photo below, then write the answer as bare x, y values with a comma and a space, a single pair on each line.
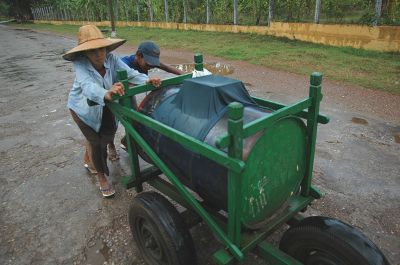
107, 192
91, 170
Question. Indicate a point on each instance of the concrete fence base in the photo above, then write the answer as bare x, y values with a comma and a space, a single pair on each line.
382, 38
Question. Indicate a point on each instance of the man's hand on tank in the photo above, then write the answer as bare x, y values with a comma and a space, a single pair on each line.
154, 81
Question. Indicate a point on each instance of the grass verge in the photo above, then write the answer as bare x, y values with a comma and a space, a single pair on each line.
376, 70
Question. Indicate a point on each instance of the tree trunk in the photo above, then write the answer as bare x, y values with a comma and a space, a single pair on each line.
235, 12
34, 13
317, 11
110, 8
270, 12
116, 10
257, 9
378, 11
150, 8
166, 10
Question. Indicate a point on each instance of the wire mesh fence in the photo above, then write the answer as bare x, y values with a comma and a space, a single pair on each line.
241, 12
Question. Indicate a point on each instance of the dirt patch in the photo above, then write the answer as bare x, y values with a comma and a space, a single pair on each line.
359, 121
397, 138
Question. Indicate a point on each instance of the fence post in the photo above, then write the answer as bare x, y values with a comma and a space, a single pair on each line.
235, 12
138, 10
166, 10
51, 13
208, 11
184, 12
378, 11
317, 11
270, 12
151, 14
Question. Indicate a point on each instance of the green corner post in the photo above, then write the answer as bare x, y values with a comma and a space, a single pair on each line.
235, 150
133, 156
312, 121
198, 62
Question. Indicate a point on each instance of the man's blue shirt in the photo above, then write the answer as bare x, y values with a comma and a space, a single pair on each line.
128, 60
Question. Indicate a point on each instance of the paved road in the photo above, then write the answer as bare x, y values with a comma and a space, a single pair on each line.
52, 213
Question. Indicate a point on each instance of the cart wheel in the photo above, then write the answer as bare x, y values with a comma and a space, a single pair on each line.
159, 231
326, 241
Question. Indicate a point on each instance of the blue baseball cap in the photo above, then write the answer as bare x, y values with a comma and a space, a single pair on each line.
150, 52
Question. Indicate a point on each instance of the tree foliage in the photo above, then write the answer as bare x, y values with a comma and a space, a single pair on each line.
19, 9
250, 12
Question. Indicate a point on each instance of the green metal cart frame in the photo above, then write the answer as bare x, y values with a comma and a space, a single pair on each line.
237, 241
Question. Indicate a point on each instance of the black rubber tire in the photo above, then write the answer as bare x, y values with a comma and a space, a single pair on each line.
326, 241
159, 231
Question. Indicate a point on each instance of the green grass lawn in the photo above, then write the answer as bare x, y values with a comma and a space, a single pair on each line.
376, 70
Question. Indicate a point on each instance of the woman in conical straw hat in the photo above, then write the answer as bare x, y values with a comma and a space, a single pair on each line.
95, 83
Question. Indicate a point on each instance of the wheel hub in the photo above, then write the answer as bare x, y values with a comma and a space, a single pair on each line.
150, 243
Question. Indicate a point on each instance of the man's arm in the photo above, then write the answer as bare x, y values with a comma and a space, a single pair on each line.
170, 69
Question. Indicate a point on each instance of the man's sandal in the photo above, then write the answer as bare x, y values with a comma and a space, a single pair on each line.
124, 144
107, 192
123, 147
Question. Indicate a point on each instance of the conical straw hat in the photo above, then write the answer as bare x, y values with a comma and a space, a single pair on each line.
90, 37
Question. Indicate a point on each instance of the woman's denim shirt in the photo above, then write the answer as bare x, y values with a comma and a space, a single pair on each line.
89, 84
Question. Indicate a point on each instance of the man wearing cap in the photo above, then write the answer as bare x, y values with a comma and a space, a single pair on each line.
147, 57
